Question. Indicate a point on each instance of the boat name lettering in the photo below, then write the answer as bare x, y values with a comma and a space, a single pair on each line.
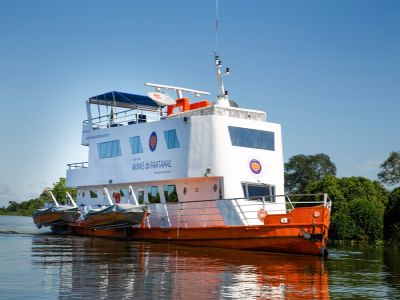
152, 164
97, 136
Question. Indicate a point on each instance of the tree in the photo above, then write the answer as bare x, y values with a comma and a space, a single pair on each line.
60, 190
391, 169
392, 217
26, 208
358, 206
301, 169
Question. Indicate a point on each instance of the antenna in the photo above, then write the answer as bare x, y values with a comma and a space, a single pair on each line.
216, 25
222, 94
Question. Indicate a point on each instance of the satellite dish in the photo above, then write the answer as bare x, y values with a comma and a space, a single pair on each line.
233, 103
161, 99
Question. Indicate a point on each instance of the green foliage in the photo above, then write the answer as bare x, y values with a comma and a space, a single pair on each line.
392, 218
342, 225
60, 190
391, 169
368, 220
357, 207
303, 169
27, 208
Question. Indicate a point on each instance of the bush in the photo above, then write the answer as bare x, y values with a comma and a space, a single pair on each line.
368, 220
392, 218
357, 207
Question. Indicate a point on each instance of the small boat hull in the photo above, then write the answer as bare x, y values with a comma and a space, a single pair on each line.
55, 215
115, 216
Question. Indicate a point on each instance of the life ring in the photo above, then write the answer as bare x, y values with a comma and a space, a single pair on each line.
262, 215
117, 197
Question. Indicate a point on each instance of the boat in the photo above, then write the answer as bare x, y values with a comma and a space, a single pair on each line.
56, 215
210, 173
115, 216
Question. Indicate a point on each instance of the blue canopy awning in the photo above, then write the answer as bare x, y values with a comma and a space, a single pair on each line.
126, 100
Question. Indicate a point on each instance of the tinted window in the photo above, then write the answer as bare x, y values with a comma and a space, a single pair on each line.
252, 138
124, 192
140, 196
171, 139
170, 193
109, 149
93, 194
258, 190
136, 144
153, 194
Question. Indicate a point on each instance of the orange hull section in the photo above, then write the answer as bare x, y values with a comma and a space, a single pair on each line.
113, 218
303, 231
56, 217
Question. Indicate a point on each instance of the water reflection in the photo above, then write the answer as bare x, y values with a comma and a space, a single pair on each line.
100, 268
392, 270
364, 272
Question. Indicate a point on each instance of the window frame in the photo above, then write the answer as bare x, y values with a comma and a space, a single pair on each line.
138, 147
171, 139
252, 138
157, 196
109, 149
168, 193
270, 197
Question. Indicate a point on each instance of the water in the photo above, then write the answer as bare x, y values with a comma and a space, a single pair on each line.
35, 264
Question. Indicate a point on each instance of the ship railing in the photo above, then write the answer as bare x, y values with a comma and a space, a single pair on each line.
206, 213
127, 117
78, 165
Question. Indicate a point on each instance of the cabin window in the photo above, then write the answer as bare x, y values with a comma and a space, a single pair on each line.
171, 139
124, 192
93, 194
109, 149
252, 138
136, 144
140, 196
153, 194
170, 193
256, 191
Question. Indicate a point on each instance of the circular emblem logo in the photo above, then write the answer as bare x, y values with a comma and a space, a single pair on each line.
153, 141
255, 166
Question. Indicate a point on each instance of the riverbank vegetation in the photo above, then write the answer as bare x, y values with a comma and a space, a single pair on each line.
362, 209
26, 208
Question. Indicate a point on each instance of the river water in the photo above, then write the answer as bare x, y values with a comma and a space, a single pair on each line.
35, 264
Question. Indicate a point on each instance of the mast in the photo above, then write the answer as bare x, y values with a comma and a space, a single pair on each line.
222, 96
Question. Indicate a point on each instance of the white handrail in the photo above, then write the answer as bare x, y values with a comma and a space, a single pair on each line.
54, 198
136, 202
108, 196
72, 200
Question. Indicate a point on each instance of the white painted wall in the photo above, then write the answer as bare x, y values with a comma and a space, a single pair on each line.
204, 144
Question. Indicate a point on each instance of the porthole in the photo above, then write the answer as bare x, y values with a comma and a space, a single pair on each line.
215, 188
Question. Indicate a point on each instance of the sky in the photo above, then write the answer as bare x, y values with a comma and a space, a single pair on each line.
327, 71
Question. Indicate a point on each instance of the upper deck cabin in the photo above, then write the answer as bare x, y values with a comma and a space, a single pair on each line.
192, 139
204, 151
114, 109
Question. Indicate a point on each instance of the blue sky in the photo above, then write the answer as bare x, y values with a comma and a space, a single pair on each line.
328, 71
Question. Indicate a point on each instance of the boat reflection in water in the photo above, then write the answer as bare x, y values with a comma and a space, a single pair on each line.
100, 268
